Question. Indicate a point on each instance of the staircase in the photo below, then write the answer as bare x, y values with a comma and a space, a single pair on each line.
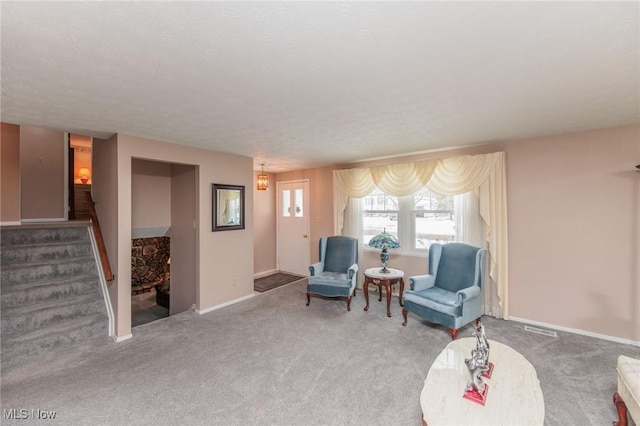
50, 294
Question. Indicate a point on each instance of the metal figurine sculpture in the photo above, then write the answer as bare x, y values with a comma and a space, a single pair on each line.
482, 343
479, 367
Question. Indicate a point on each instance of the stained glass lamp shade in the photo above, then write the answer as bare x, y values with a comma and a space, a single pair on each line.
384, 241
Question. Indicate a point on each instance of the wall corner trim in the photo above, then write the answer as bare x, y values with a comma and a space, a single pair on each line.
222, 305
121, 339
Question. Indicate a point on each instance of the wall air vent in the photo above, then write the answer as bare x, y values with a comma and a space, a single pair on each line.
542, 331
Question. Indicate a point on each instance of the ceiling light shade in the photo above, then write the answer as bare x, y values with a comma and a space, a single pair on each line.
384, 241
263, 180
84, 174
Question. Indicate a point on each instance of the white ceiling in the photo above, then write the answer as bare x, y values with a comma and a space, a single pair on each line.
307, 84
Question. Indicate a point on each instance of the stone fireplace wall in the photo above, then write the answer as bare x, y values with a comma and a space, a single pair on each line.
149, 257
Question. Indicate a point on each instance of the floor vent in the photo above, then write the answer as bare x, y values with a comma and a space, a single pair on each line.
540, 331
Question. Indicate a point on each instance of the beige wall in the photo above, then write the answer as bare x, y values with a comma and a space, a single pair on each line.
150, 194
184, 264
224, 259
574, 227
42, 174
574, 211
264, 227
10, 174
105, 197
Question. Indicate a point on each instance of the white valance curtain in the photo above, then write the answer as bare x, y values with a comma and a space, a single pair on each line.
484, 174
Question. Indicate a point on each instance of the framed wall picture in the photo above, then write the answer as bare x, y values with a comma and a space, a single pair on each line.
228, 207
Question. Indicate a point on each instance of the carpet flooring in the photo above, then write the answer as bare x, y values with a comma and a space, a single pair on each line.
271, 360
274, 281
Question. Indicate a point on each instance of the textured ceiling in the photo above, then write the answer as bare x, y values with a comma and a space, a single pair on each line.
308, 84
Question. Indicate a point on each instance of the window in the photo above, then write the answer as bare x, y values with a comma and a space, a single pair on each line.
380, 213
286, 203
432, 217
299, 203
417, 220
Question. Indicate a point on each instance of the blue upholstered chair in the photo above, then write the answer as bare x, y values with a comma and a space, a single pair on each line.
335, 274
451, 294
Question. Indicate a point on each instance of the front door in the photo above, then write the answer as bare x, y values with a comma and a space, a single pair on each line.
293, 226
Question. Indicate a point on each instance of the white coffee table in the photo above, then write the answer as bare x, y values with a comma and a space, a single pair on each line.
514, 396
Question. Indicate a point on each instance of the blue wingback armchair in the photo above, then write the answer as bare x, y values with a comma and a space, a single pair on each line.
335, 275
451, 294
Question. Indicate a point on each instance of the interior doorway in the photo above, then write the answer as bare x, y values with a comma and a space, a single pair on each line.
163, 234
80, 167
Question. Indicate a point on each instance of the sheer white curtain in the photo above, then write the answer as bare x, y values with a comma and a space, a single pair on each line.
471, 229
483, 174
352, 227
469, 225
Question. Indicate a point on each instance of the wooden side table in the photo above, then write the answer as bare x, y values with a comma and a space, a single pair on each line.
374, 276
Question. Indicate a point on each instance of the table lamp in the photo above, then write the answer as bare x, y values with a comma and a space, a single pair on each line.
384, 241
84, 174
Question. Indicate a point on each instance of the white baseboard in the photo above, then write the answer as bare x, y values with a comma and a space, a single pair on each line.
44, 219
9, 223
121, 339
576, 331
264, 273
222, 305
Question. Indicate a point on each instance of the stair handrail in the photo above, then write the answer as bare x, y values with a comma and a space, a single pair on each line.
102, 248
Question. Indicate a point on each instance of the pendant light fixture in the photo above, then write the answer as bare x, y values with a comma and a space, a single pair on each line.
263, 180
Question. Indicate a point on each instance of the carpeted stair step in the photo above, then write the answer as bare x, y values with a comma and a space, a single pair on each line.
42, 272
24, 319
62, 334
50, 294
39, 253
62, 290
45, 235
